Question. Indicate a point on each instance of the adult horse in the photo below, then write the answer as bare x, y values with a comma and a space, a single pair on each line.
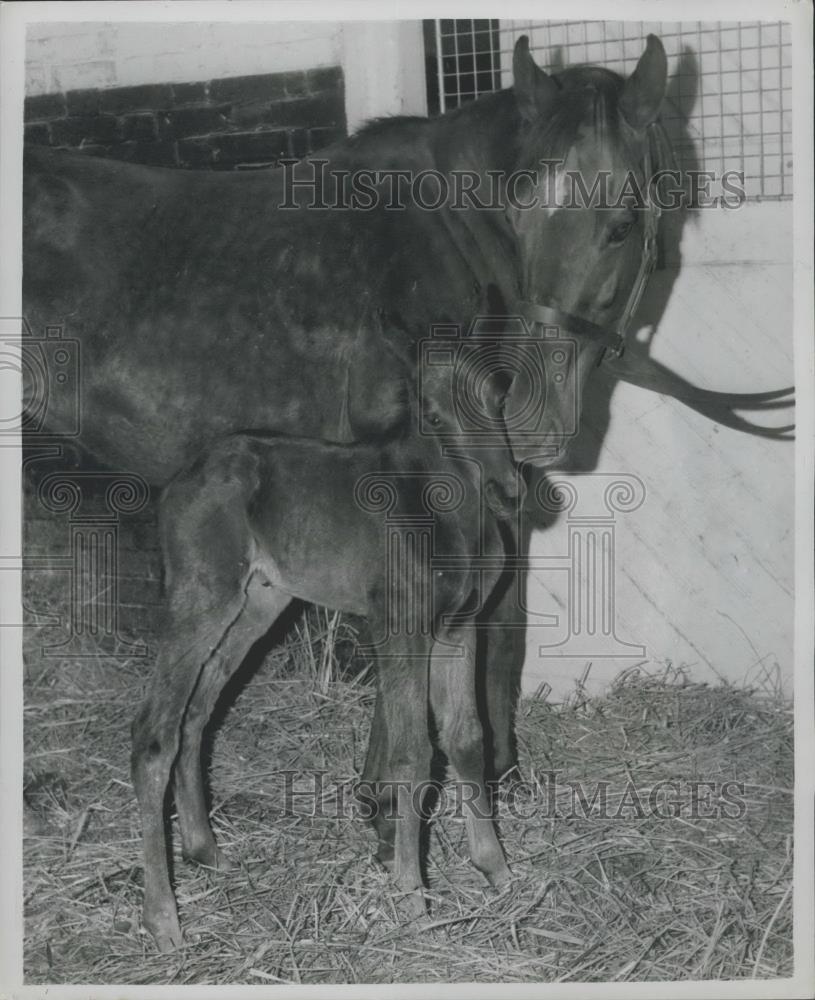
202, 307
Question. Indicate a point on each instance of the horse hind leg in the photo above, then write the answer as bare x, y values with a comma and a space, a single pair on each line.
207, 555
156, 735
263, 606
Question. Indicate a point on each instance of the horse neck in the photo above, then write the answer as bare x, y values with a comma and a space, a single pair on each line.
411, 450
481, 137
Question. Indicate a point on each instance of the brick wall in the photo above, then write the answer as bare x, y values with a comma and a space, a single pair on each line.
224, 124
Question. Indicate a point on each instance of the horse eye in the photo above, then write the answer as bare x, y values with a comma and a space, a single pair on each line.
619, 233
435, 420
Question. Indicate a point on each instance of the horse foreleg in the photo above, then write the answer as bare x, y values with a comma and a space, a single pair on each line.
502, 650
505, 647
453, 700
402, 715
375, 764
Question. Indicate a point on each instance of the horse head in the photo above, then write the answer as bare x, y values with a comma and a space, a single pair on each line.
588, 148
462, 407
424, 395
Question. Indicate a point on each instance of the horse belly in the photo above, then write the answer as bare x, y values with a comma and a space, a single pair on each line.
334, 571
312, 540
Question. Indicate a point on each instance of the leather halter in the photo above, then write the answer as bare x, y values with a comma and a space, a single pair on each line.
612, 338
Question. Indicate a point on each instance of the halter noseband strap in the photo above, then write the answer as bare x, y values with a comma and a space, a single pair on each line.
551, 316
613, 339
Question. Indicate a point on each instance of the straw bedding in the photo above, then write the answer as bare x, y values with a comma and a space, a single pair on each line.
614, 882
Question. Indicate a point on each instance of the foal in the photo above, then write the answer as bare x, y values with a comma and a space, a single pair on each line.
260, 520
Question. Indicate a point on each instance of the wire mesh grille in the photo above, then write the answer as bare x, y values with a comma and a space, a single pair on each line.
729, 101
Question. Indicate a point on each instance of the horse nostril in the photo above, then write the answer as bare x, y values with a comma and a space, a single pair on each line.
502, 498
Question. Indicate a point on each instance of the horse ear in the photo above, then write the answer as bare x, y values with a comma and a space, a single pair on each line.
376, 406
534, 89
494, 389
644, 90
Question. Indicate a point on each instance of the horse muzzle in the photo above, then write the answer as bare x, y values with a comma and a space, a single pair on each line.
505, 497
545, 452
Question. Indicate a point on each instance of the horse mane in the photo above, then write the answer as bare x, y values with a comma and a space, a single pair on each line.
390, 142
382, 124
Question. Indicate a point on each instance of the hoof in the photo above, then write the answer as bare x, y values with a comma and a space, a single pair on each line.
166, 932
500, 877
506, 771
211, 857
412, 906
385, 854
493, 866
386, 863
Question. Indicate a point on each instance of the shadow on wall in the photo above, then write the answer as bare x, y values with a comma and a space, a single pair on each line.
681, 96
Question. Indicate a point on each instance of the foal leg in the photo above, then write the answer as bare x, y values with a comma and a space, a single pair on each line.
156, 738
375, 763
504, 646
453, 700
405, 761
505, 649
263, 606
502, 651
206, 544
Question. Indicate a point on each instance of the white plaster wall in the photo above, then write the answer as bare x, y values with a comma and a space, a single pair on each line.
65, 56
383, 64
704, 568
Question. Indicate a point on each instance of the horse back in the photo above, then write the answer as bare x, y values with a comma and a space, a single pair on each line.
202, 307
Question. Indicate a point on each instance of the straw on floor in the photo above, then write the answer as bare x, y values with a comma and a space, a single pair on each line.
619, 876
